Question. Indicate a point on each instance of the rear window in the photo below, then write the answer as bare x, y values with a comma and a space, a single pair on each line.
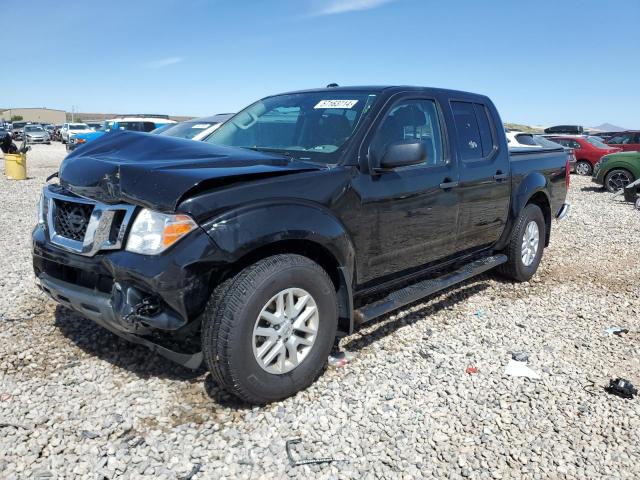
78, 126
596, 142
526, 139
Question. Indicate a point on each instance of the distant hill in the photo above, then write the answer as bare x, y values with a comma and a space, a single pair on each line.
85, 116
522, 128
607, 127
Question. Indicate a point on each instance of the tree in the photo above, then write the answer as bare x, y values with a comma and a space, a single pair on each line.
16, 118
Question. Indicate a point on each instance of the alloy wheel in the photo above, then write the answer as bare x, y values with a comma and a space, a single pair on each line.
285, 331
530, 243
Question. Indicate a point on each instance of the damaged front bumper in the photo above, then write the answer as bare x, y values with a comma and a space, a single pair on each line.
153, 300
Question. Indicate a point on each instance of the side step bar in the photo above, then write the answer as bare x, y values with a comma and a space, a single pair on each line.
419, 290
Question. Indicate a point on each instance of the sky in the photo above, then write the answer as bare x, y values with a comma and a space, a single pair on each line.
542, 62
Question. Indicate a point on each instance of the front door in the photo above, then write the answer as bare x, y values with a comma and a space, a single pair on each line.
485, 181
411, 211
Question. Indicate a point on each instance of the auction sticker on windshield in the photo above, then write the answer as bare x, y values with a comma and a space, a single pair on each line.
336, 103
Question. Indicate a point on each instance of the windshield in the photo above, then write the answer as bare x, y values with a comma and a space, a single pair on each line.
596, 142
78, 126
32, 128
310, 126
186, 129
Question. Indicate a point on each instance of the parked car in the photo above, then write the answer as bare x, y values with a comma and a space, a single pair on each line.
301, 218
589, 150
565, 129
196, 129
69, 129
617, 170
546, 143
135, 124
520, 139
627, 141
16, 129
35, 134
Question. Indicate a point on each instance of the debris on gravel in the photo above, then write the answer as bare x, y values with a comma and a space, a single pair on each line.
78, 402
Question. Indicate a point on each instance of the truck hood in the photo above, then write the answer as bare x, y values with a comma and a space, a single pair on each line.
157, 171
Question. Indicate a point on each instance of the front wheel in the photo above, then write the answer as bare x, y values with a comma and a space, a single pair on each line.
584, 168
526, 245
267, 332
617, 179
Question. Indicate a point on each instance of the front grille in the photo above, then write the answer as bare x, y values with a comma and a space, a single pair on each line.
71, 219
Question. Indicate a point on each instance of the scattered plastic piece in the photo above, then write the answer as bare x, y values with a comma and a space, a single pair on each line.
520, 356
4, 397
341, 358
520, 369
471, 370
616, 331
306, 461
621, 388
196, 468
479, 313
89, 435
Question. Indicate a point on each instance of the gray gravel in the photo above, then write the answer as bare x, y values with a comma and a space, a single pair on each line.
75, 401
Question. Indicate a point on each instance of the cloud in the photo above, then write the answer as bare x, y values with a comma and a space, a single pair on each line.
163, 62
333, 7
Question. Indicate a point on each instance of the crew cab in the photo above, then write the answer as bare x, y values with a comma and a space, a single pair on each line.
132, 123
304, 216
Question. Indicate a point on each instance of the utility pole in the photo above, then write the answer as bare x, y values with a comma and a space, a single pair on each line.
73, 118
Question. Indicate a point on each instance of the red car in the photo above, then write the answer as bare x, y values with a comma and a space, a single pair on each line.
588, 150
627, 141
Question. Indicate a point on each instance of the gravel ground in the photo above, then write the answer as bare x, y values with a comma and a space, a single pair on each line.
75, 401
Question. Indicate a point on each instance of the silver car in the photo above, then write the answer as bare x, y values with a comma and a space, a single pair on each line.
36, 134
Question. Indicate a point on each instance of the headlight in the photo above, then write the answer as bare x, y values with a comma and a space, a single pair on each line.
153, 232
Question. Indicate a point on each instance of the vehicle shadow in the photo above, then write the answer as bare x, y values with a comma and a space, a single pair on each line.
454, 295
592, 189
99, 342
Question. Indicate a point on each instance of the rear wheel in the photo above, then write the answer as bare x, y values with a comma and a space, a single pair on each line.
584, 168
617, 179
526, 245
267, 332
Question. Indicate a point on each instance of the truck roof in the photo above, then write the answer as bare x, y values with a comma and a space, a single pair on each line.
391, 89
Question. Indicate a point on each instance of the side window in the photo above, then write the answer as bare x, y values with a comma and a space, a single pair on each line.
484, 125
410, 121
468, 131
620, 140
148, 126
636, 138
574, 144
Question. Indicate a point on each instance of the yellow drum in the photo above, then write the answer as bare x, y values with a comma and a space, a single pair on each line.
15, 166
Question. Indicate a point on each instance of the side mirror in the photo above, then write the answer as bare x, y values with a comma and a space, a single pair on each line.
403, 154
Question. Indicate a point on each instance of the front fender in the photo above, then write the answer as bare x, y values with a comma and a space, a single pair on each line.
239, 232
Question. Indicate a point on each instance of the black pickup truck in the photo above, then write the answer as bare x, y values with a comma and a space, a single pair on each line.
302, 217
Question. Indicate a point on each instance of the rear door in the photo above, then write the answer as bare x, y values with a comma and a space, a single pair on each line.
484, 168
408, 215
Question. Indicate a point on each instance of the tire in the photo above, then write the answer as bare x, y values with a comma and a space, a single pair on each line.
235, 310
584, 168
617, 179
516, 268
638, 203
63, 142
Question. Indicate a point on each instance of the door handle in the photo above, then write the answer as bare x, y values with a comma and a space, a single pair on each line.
449, 184
500, 176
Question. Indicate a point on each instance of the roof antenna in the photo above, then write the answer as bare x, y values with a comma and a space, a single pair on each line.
333, 85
